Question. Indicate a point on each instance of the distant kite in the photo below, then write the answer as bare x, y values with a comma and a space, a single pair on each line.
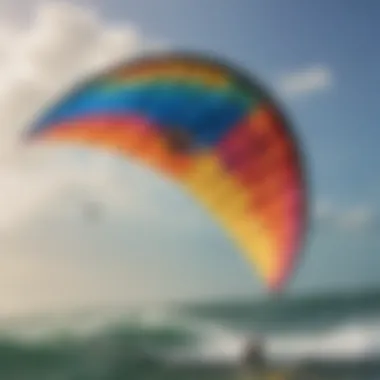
210, 128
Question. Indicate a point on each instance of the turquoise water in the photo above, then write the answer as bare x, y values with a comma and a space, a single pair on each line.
334, 336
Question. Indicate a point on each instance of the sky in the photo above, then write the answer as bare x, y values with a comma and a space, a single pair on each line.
153, 242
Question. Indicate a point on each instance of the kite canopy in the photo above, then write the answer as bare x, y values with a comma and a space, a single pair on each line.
214, 131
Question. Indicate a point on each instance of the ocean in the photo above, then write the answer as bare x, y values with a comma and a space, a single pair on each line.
335, 336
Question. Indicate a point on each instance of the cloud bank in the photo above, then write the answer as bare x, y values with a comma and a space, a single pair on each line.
61, 44
44, 238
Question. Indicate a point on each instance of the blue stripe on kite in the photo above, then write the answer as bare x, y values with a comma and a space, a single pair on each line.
207, 115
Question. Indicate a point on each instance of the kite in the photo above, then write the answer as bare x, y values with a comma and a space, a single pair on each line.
210, 128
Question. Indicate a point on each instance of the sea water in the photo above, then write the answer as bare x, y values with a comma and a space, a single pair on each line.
316, 337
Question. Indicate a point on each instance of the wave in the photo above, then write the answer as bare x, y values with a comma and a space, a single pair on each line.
101, 342
357, 338
350, 341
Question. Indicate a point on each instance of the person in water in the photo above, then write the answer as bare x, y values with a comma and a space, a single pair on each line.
254, 360
255, 364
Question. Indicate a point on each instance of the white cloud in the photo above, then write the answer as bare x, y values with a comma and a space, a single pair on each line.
34, 280
357, 218
38, 61
38, 187
305, 81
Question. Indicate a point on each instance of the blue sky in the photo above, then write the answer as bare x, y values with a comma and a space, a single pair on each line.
318, 58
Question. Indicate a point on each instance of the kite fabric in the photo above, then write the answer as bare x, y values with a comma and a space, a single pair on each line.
210, 128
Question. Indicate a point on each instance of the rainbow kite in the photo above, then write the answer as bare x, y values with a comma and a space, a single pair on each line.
214, 131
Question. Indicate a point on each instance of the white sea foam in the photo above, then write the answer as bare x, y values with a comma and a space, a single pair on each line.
352, 340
